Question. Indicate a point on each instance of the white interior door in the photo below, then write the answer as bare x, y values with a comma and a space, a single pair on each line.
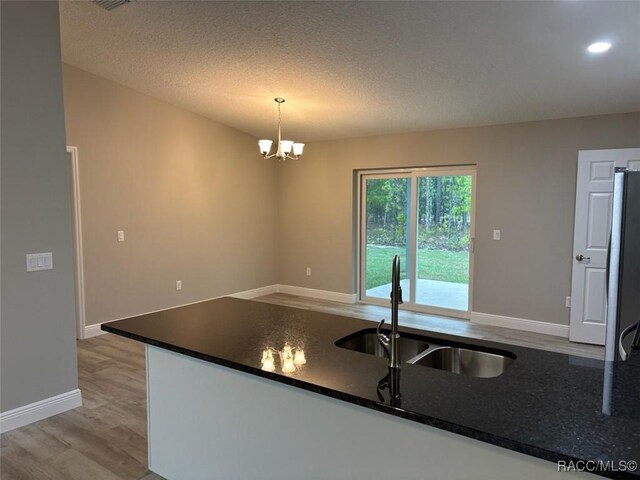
594, 196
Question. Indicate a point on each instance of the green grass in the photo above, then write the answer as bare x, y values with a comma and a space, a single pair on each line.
439, 265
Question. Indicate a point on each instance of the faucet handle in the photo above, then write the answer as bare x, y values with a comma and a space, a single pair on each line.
399, 295
382, 338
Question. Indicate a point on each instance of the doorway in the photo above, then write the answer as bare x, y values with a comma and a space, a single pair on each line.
426, 216
74, 184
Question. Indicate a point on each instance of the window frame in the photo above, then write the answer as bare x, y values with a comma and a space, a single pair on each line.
413, 173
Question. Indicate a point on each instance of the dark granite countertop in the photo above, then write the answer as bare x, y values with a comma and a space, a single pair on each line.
547, 405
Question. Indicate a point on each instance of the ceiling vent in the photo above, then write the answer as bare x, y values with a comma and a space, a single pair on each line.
110, 4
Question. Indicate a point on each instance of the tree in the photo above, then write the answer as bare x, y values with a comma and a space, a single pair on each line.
444, 206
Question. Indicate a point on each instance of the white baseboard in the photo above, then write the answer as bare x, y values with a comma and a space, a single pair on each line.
321, 294
93, 331
21, 416
256, 292
536, 326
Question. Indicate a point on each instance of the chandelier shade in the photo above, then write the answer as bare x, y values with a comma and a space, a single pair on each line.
265, 146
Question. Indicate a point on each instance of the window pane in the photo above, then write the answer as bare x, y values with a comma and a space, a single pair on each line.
444, 218
387, 229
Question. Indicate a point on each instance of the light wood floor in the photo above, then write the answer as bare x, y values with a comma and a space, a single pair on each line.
441, 324
106, 438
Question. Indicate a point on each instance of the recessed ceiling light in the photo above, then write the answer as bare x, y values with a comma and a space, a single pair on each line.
599, 47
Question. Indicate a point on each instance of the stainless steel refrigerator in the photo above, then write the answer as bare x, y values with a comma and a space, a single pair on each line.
623, 276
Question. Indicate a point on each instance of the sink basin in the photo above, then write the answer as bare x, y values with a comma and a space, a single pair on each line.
469, 360
465, 361
366, 341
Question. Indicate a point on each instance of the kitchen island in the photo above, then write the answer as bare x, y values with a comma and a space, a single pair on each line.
220, 405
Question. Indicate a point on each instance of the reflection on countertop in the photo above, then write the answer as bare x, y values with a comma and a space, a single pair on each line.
290, 359
621, 388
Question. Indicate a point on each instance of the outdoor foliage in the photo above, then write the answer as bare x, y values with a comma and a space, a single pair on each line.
444, 212
444, 215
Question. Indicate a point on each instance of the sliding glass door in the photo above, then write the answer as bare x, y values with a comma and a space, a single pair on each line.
426, 216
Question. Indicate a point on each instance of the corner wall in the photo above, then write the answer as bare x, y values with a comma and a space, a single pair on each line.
525, 187
193, 197
37, 333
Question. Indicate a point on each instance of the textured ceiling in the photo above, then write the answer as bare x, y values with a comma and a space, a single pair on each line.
351, 69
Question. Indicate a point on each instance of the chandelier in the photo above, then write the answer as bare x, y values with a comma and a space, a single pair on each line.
285, 147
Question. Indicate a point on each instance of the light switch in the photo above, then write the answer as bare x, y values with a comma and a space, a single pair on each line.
121, 235
497, 234
39, 261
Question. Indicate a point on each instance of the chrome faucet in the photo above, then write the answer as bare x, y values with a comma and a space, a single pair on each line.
390, 343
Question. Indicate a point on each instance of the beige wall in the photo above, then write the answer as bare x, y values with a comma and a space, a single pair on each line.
196, 201
525, 187
37, 344
198, 204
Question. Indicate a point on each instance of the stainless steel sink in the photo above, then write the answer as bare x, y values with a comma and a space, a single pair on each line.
465, 361
366, 341
469, 360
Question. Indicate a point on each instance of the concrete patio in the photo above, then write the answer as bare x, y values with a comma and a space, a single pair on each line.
430, 292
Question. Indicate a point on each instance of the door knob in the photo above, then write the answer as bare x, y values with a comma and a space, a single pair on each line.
581, 257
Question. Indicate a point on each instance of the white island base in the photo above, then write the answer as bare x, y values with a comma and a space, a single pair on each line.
211, 422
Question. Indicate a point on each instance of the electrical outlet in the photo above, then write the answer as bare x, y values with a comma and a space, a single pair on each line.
308, 271
178, 284
121, 235
497, 234
567, 302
